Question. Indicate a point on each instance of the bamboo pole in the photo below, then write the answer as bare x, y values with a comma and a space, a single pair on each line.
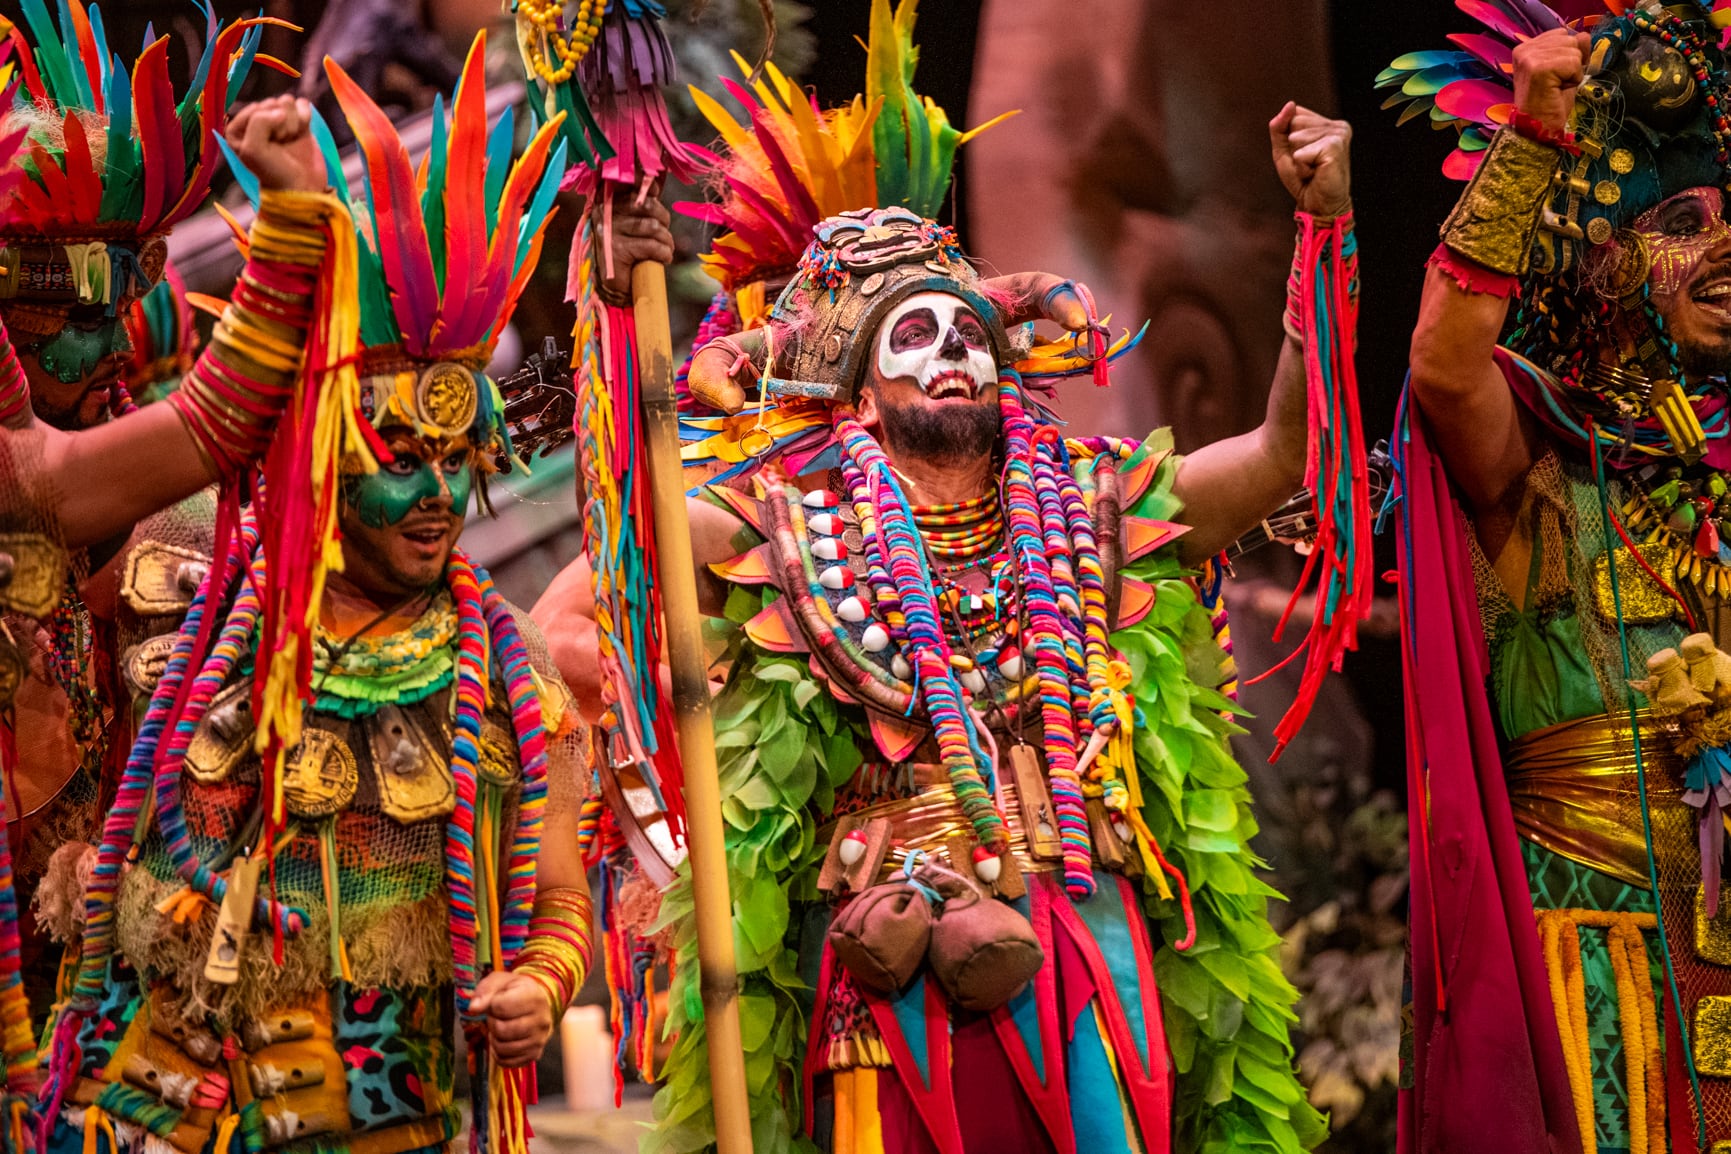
718, 976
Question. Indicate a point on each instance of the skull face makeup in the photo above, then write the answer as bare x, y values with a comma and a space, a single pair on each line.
939, 342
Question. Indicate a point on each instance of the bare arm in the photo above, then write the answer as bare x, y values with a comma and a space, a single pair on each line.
1487, 440
1229, 486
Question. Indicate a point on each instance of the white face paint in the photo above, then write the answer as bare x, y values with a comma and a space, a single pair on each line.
940, 342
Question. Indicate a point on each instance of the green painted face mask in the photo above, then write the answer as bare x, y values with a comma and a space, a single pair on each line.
384, 498
75, 351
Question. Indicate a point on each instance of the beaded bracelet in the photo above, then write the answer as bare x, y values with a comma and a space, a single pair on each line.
235, 392
559, 946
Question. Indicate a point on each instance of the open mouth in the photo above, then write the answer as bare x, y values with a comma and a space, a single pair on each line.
951, 385
427, 536
1715, 297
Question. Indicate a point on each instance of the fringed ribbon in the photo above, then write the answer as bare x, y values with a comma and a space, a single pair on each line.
1327, 269
618, 527
301, 475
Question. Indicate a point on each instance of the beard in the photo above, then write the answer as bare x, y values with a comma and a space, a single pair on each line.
942, 434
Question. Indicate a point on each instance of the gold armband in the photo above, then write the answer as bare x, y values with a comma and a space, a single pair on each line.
1494, 221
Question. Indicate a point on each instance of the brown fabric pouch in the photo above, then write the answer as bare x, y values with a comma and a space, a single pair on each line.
881, 936
982, 951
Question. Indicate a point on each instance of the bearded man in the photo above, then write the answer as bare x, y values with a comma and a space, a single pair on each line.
1564, 636
972, 712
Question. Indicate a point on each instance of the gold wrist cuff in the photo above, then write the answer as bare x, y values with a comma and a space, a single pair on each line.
1494, 221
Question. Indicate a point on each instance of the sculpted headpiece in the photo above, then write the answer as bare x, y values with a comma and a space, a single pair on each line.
861, 266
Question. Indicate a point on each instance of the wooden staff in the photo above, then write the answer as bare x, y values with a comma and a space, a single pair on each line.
718, 976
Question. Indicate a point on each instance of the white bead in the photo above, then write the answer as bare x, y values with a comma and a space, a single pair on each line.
820, 499
1010, 664
989, 870
836, 577
828, 549
974, 680
827, 523
853, 847
851, 609
1123, 830
876, 638
900, 667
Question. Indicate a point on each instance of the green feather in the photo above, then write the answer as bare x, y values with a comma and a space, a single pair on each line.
433, 198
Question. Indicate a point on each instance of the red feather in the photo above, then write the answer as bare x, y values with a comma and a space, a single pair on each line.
26, 58
465, 205
1490, 51
86, 185
56, 194
402, 230
1461, 165
164, 153
1476, 100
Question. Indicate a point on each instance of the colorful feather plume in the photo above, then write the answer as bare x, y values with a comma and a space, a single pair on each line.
449, 247
158, 153
1470, 87
790, 165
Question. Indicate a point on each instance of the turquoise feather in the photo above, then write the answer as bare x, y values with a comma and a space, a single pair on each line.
540, 204
433, 196
122, 182
498, 165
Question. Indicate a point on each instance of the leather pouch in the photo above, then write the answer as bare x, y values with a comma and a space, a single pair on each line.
881, 936
982, 951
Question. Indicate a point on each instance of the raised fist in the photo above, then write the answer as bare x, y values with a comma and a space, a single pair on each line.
1548, 70
273, 138
1312, 157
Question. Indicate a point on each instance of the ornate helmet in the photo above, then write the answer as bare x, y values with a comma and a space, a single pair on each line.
862, 265
1651, 119
445, 252
112, 161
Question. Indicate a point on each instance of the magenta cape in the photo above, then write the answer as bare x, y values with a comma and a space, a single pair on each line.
1487, 1066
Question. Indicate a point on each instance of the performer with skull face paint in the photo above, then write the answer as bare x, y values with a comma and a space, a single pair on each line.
1566, 637
972, 713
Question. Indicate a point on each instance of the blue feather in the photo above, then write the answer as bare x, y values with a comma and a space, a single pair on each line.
540, 204
243, 175
333, 159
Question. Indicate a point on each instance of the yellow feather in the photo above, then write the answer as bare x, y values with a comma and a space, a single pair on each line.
992, 123
736, 135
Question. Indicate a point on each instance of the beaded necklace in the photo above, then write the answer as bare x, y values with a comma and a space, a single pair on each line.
1048, 551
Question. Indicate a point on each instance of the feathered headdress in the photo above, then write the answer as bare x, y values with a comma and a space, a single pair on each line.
113, 160
446, 248
790, 166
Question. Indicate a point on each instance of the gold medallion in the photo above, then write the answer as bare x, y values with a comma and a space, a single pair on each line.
320, 775
1607, 192
1599, 230
446, 397
496, 762
1622, 161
